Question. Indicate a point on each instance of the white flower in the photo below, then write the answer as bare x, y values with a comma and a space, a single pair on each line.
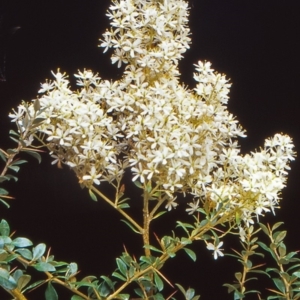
171, 204
93, 176
193, 207
17, 115
216, 249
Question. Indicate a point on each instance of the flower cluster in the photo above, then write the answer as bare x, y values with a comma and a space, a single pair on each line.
177, 139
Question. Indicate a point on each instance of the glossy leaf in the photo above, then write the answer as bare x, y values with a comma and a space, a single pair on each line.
276, 225
108, 281
92, 195
123, 206
38, 251
26, 253
190, 253
23, 281
21, 242
44, 267
5, 203
7, 281
73, 268
264, 228
138, 184
279, 284
36, 155
189, 294
3, 155
153, 248
51, 293
76, 297
280, 236
34, 285
15, 168
122, 266
3, 192
17, 274
130, 226
117, 275
104, 289
19, 162
3, 178
4, 228
158, 282
159, 214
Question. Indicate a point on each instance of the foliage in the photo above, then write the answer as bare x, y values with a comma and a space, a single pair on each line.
172, 141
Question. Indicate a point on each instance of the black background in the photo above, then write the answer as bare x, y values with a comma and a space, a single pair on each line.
255, 43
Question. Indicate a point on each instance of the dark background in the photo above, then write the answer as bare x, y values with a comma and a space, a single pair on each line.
255, 43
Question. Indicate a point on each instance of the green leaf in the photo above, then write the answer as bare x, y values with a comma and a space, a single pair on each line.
3, 155
44, 267
23, 281
238, 295
51, 293
231, 287
15, 168
158, 282
3, 192
11, 257
108, 281
276, 225
123, 205
180, 288
124, 296
116, 274
3, 178
297, 274
35, 154
9, 176
92, 195
14, 139
104, 289
4, 228
280, 236
17, 274
238, 276
19, 162
280, 285
264, 228
12, 132
190, 253
7, 281
86, 283
38, 251
264, 246
21, 242
35, 284
159, 214
4, 240
76, 297
26, 253
131, 226
146, 260
189, 294
153, 248
185, 241
73, 268
122, 266
138, 184
5, 203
